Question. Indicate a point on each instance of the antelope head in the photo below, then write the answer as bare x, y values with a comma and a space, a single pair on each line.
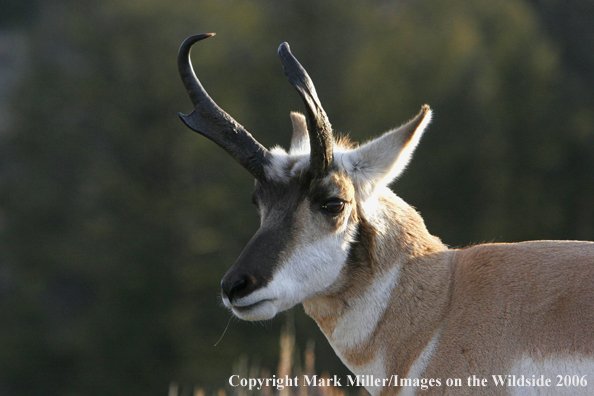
313, 200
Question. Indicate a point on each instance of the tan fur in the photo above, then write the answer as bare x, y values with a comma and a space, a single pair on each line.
419, 247
390, 297
492, 304
404, 304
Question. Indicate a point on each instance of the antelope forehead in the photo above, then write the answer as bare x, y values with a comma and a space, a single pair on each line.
284, 166
289, 171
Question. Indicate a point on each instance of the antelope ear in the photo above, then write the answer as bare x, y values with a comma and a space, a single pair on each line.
380, 161
300, 140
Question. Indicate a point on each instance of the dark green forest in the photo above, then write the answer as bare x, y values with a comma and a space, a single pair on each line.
117, 222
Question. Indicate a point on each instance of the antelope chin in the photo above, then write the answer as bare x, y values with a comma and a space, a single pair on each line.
262, 310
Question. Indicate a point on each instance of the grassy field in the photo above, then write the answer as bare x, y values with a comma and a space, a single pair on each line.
292, 363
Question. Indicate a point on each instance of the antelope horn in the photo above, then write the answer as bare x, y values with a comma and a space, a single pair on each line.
209, 120
318, 125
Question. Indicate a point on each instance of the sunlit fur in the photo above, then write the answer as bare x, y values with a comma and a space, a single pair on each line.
393, 300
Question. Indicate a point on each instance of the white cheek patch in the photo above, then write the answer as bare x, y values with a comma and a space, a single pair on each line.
307, 272
310, 269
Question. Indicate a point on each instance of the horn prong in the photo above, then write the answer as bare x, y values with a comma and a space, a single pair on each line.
211, 121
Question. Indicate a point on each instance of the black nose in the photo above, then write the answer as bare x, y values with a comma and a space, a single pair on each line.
232, 287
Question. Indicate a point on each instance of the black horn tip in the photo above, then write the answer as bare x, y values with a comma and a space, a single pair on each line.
290, 64
295, 72
195, 38
201, 36
284, 47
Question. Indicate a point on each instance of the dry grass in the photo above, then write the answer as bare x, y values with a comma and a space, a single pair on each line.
290, 365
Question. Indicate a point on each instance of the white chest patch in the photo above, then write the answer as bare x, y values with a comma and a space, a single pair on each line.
367, 373
376, 370
358, 323
419, 366
571, 376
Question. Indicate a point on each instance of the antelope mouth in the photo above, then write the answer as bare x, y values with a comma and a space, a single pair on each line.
249, 306
261, 310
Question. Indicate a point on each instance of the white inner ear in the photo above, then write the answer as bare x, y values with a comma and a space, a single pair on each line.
380, 161
300, 140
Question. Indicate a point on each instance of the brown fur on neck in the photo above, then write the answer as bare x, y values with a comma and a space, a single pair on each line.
403, 241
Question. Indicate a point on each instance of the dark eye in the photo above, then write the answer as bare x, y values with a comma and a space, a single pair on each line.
334, 206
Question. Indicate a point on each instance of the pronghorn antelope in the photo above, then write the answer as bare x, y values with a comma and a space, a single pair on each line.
393, 300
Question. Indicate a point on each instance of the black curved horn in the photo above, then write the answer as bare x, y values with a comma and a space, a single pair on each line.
209, 120
318, 125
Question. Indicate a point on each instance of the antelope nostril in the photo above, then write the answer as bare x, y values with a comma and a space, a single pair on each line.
238, 285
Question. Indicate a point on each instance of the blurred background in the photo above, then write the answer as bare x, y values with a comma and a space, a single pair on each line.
117, 222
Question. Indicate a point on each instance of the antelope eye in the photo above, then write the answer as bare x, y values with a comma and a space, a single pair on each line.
333, 206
